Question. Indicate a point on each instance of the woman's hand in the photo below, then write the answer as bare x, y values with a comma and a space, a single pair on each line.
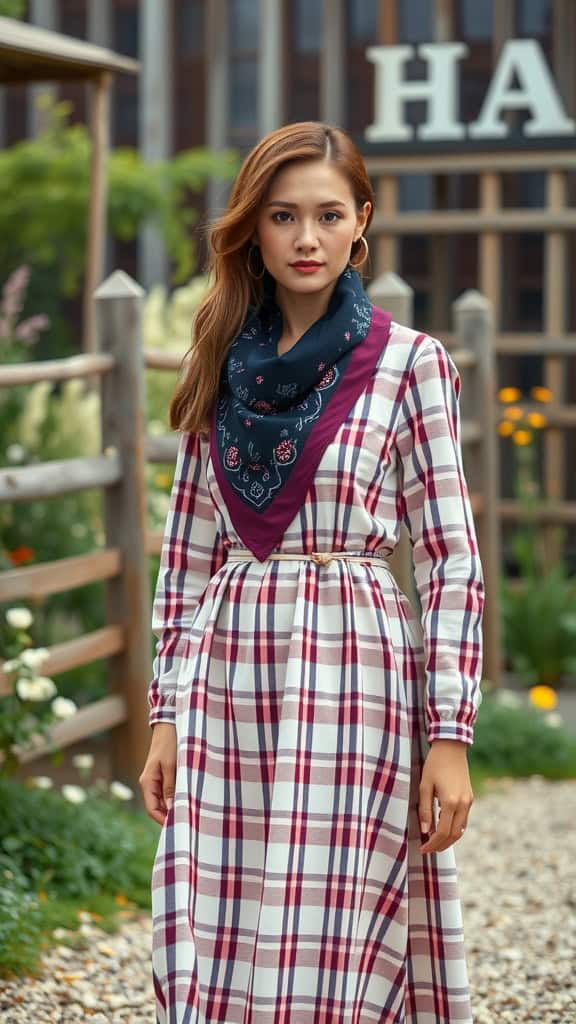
446, 775
158, 778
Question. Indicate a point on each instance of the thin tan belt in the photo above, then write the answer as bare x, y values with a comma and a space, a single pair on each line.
320, 557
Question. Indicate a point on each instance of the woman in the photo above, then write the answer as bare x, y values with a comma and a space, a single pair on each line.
304, 717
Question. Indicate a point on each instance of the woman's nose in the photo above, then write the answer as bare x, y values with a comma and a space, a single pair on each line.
306, 235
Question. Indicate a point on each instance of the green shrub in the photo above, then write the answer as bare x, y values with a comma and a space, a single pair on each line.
517, 741
539, 620
19, 918
72, 850
60, 861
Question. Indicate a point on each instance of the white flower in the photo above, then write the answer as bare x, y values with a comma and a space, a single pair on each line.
74, 794
15, 453
508, 698
553, 719
63, 707
38, 688
83, 761
120, 791
34, 657
11, 666
34, 413
41, 781
156, 428
19, 618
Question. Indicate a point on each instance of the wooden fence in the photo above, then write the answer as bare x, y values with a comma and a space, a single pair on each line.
123, 562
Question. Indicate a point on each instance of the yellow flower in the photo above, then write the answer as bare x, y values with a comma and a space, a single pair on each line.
509, 394
541, 394
505, 428
536, 419
514, 413
522, 437
543, 697
162, 479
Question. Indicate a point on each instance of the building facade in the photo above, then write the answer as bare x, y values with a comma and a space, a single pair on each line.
474, 170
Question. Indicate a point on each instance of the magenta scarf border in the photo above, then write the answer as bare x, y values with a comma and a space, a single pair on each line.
261, 532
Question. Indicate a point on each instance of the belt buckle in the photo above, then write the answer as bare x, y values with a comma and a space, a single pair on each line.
321, 557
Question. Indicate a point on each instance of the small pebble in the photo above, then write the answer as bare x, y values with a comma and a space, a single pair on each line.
517, 880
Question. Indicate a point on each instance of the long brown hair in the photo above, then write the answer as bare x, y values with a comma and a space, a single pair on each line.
233, 290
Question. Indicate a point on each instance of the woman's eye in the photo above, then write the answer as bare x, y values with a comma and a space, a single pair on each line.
284, 213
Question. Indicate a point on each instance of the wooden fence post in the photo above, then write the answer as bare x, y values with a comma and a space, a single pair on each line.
474, 329
119, 320
390, 292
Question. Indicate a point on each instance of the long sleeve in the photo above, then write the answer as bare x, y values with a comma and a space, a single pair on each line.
192, 551
448, 573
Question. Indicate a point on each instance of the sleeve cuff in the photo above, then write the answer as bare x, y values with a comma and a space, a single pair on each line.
454, 730
164, 710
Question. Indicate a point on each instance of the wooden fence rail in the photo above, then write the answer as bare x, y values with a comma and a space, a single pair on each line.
120, 472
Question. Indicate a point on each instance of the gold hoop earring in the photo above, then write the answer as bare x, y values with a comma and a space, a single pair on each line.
257, 277
365, 257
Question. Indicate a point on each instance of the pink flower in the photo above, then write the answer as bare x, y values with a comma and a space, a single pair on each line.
28, 329
259, 380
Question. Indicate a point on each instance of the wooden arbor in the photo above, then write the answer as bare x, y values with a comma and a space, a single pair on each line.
29, 54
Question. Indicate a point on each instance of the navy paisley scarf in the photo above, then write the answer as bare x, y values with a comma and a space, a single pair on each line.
275, 415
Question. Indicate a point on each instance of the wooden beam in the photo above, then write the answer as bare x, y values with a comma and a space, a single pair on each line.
68, 368
476, 222
101, 643
107, 713
38, 581
97, 219
470, 163
62, 476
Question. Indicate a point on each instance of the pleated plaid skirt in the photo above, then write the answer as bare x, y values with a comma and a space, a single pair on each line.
288, 886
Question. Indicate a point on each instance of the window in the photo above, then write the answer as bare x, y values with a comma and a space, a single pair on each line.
308, 25
126, 117
534, 17
72, 19
189, 27
362, 21
415, 192
244, 23
126, 31
524, 189
243, 97
415, 21
476, 20
243, 94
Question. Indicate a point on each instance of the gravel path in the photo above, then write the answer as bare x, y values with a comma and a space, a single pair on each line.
517, 867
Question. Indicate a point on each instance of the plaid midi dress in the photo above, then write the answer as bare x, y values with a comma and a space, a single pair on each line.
288, 886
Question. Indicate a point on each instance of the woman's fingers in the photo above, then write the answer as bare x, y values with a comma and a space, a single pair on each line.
451, 822
426, 806
157, 783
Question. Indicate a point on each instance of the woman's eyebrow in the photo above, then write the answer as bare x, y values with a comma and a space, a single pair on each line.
294, 206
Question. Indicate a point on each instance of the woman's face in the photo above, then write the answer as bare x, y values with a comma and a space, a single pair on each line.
309, 215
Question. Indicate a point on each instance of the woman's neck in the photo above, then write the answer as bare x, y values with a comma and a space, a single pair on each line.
299, 312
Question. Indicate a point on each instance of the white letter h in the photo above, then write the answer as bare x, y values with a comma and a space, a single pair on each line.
440, 90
